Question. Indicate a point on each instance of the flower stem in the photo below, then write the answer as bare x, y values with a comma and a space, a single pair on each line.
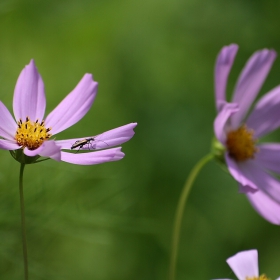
179, 213
23, 227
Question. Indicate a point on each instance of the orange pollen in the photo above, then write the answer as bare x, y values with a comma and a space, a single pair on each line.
241, 144
262, 277
31, 134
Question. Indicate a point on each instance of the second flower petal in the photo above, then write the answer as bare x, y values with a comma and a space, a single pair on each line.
265, 206
250, 81
265, 117
240, 172
222, 68
221, 120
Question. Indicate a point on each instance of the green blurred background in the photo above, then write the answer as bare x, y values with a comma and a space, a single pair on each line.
154, 63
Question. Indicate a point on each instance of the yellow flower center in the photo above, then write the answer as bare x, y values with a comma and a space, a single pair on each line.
31, 134
241, 144
262, 277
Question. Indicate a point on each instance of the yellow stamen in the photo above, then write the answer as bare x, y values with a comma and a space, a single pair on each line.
241, 144
262, 277
31, 134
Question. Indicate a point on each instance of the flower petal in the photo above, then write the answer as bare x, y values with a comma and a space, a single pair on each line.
268, 208
265, 117
245, 264
8, 125
254, 172
93, 157
47, 149
240, 172
222, 120
29, 96
268, 157
74, 106
113, 137
250, 82
222, 68
9, 145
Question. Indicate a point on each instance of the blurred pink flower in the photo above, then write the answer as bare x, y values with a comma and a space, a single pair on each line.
250, 163
32, 133
245, 266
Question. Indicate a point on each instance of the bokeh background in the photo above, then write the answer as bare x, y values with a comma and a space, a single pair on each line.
154, 62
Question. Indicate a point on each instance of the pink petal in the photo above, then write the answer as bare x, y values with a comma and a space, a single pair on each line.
222, 121
29, 96
268, 208
242, 173
9, 145
250, 82
223, 65
268, 157
245, 264
257, 177
8, 125
74, 106
47, 149
107, 139
266, 115
93, 157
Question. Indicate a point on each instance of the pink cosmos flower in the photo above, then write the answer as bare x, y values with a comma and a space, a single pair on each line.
245, 266
251, 163
32, 133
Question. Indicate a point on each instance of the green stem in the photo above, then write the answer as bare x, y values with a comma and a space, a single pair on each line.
23, 227
179, 213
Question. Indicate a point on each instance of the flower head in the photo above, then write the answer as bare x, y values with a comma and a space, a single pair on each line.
245, 266
29, 136
250, 163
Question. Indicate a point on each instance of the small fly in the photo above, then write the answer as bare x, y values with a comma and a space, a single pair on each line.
83, 142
